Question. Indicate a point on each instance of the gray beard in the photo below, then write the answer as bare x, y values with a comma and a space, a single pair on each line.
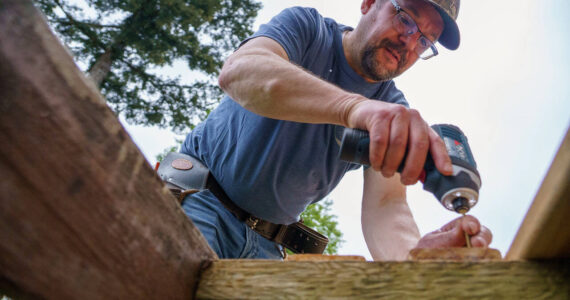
374, 70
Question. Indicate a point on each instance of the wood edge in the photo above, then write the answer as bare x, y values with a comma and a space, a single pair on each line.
542, 204
455, 254
321, 257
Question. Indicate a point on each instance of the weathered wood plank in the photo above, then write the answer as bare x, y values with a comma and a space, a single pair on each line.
323, 257
454, 254
245, 279
82, 214
545, 231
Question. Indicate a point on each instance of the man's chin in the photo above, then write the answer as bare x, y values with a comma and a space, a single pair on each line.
374, 71
381, 75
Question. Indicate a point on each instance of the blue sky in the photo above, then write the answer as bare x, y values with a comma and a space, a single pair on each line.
507, 87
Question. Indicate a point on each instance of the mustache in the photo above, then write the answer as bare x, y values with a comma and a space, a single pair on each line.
371, 66
397, 47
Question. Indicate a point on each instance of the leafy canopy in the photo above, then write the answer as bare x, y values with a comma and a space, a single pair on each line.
122, 44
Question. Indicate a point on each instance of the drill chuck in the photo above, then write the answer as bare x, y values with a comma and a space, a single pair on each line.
458, 192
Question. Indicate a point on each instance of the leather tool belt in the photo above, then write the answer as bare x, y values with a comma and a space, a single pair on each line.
184, 175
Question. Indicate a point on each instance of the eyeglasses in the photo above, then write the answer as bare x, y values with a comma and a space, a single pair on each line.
407, 26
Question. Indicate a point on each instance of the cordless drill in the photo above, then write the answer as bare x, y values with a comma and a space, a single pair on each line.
458, 192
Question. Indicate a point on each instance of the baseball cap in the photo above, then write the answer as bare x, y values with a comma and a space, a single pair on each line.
448, 9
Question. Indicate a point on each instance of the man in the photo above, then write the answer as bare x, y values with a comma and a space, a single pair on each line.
272, 144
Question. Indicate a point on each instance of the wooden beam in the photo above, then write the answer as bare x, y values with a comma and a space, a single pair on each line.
545, 231
245, 279
82, 214
455, 254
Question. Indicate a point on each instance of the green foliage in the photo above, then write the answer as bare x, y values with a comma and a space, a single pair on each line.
141, 36
165, 152
318, 217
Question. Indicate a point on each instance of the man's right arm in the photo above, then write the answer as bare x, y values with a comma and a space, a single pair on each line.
260, 77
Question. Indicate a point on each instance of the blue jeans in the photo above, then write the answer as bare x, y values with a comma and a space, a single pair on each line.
228, 236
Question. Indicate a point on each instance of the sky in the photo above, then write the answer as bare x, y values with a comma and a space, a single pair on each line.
507, 87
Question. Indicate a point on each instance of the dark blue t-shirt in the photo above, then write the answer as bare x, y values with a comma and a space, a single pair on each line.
271, 168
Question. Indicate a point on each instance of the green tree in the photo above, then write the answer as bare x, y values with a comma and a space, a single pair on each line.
317, 216
121, 44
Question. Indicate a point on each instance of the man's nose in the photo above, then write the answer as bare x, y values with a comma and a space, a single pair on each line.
411, 40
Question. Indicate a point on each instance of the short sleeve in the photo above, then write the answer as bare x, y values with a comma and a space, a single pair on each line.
294, 29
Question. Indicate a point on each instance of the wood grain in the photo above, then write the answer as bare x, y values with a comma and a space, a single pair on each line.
82, 214
455, 254
545, 231
324, 257
248, 279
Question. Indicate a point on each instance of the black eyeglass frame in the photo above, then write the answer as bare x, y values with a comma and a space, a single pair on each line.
400, 10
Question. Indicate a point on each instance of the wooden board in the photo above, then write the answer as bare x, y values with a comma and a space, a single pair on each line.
454, 254
245, 279
82, 214
545, 231
324, 257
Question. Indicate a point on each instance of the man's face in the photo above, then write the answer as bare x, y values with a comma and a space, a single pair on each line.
385, 53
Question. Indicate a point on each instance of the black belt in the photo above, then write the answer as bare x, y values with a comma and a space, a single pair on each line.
296, 237
178, 167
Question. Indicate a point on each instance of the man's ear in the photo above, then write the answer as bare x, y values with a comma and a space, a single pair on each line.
366, 6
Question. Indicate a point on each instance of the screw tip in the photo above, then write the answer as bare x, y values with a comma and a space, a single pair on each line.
461, 205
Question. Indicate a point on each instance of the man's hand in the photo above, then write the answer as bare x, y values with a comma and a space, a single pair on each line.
393, 129
452, 234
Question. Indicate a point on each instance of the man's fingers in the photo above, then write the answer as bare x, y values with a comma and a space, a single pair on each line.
379, 135
393, 129
480, 236
439, 153
483, 238
418, 147
397, 144
469, 224
443, 239
452, 234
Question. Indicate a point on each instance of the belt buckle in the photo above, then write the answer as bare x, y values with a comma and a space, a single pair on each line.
252, 221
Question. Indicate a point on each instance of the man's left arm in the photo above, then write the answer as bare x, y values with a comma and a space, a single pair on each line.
387, 222
389, 227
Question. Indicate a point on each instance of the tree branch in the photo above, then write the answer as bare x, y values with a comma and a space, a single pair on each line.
95, 25
90, 34
150, 78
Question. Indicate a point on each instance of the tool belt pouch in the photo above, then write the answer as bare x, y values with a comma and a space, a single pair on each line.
184, 175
